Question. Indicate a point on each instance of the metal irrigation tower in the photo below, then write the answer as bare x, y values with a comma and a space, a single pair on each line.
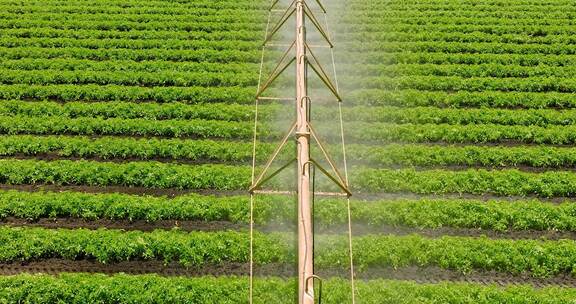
300, 53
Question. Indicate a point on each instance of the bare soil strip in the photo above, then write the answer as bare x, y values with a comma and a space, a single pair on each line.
55, 156
358, 229
118, 189
412, 273
171, 193
141, 225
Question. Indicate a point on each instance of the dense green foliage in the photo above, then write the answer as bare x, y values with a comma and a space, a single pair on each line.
232, 151
422, 213
539, 258
122, 288
441, 97
135, 174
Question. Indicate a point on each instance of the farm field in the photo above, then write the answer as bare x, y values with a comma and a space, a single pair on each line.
126, 145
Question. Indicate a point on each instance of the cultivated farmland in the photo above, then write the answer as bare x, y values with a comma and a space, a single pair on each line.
125, 153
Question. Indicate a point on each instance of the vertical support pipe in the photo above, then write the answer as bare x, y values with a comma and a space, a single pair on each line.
305, 237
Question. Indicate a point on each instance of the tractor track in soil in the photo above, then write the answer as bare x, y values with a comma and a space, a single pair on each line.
430, 274
357, 229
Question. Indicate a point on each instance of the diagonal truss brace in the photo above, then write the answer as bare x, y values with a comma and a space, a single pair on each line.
290, 11
319, 70
330, 161
278, 70
312, 61
331, 177
287, 14
262, 178
316, 23
321, 6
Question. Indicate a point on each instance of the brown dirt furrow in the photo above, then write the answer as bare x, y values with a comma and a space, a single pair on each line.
361, 229
433, 274
118, 189
412, 273
480, 197
523, 168
55, 156
178, 192
358, 229
141, 225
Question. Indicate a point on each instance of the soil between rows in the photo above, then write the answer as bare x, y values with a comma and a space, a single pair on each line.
172, 192
413, 273
357, 229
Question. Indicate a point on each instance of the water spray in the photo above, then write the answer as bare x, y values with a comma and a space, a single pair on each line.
300, 54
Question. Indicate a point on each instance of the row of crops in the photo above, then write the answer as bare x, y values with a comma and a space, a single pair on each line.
460, 124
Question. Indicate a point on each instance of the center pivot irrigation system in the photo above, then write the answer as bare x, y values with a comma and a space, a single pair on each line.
300, 54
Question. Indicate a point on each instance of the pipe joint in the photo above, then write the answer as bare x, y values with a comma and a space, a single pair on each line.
301, 134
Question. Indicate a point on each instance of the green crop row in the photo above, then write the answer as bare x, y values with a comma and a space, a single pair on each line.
199, 9
220, 177
472, 133
237, 112
505, 13
203, 55
539, 258
226, 151
48, 32
480, 70
467, 48
135, 174
451, 5
199, 128
230, 151
132, 25
360, 9
130, 78
474, 84
229, 15
91, 92
375, 21
127, 148
240, 4
423, 115
457, 213
462, 99
440, 155
124, 289
128, 110
99, 43
359, 132
456, 37
30, 64
530, 29
37, 205
422, 213
109, 246
226, 56
474, 181
515, 4
454, 58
